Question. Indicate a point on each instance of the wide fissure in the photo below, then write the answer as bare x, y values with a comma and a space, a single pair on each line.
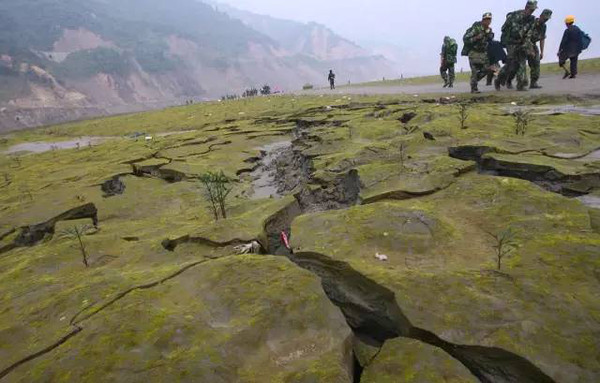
373, 313
31, 235
370, 309
547, 177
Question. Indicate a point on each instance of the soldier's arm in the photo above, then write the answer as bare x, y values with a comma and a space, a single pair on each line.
476, 34
543, 41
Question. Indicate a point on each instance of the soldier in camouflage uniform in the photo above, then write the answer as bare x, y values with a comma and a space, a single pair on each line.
535, 54
476, 41
448, 59
516, 36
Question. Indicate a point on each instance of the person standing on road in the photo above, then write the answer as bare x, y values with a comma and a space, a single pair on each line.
516, 36
476, 41
331, 79
535, 54
448, 59
571, 47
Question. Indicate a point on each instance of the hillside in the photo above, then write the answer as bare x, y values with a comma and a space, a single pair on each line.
312, 39
419, 250
61, 60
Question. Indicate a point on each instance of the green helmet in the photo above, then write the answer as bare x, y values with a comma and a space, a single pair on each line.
487, 15
547, 13
532, 4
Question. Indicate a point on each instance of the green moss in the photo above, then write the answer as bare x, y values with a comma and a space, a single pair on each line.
251, 311
412, 361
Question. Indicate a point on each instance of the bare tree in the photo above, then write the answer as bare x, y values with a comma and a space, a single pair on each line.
504, 243
78, 232
25, 190
409, 129
522, 120
217, 187
402, 150
7, 179
17, 161
463, 114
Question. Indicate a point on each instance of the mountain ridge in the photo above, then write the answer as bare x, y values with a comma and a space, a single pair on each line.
104, 55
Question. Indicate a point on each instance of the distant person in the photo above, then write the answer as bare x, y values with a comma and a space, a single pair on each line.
516, 37
535, 55
571, 47
331, 79
476, 40
448, 60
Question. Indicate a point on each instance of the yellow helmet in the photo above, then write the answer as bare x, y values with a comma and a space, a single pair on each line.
570, 19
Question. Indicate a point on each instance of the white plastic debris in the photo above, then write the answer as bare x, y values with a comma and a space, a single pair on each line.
381, 257
328, 107
249, 248
513, 103
149, 138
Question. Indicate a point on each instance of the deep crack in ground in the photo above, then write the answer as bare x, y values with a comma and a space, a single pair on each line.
370, 309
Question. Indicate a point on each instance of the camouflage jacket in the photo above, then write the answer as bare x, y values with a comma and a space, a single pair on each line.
449, 51
518, 28
477, 38
539, 31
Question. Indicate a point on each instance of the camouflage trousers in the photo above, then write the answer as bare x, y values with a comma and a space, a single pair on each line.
515, 67
448, 74
534, 62
480, 67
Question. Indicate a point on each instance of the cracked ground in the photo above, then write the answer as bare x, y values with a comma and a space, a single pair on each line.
167, 299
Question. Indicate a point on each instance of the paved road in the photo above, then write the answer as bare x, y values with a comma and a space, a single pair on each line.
584, 85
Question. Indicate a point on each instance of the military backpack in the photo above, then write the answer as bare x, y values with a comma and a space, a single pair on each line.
507, 29
451, 51
467, 43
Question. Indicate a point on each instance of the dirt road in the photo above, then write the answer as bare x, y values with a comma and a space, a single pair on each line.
584, 85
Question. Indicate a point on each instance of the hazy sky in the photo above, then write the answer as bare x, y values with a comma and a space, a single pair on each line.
418, 27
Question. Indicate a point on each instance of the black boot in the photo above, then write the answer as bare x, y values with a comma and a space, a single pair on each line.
534, 85
509, 85
497, 84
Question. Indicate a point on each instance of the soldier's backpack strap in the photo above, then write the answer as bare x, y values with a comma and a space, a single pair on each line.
507, 29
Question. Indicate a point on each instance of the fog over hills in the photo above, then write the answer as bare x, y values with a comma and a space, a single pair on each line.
67, 59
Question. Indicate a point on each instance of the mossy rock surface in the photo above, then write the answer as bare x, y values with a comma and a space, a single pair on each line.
244, 319
430, 214
411, 361
442, 268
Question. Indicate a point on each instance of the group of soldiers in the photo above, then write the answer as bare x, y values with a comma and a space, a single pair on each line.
521, 34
